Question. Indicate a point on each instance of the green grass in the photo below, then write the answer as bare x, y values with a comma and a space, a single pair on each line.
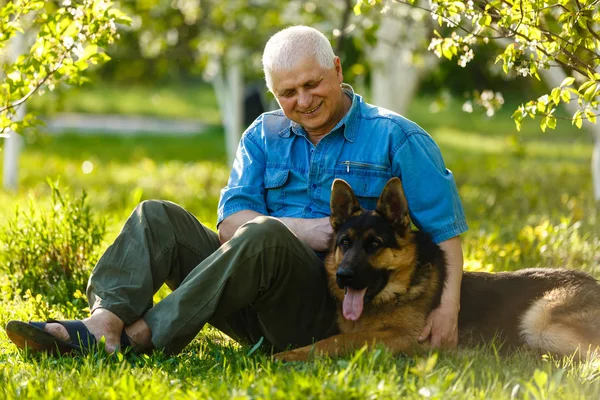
194, 101
528, 200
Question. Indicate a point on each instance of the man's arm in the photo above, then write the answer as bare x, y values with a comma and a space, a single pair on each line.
316, 232
230, 225
442, 323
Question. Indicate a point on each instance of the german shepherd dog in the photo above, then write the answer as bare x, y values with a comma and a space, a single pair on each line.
388, 278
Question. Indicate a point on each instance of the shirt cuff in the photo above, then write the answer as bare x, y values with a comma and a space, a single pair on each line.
449, 231
232, 209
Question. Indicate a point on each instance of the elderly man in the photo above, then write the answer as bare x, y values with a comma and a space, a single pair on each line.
262, 275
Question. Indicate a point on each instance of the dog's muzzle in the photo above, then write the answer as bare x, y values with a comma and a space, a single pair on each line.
344, 277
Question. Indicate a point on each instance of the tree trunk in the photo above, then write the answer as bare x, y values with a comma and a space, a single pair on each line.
14, 142
395, 75
229, 87
12, 150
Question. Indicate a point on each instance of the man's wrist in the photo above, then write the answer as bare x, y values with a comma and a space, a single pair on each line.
451, 296
294, 225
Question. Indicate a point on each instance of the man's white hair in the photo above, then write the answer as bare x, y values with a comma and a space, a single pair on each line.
285, 48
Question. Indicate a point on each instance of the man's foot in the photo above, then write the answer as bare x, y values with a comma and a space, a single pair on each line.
101, 323
140, 335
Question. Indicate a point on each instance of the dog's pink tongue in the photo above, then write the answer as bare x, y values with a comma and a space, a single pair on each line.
353, 303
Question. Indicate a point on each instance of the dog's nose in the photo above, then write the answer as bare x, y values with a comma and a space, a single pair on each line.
344, 276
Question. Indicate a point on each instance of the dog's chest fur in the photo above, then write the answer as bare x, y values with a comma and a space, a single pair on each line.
406, 317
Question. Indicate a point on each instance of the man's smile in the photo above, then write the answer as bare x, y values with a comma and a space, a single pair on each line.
312, 111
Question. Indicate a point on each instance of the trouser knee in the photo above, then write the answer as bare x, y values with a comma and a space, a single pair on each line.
157, 212
265, 230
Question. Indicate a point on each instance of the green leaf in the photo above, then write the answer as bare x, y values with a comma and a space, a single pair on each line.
446, 52
541, 107
585, 85
589, 114
544, 123
120, 17
577, 119
518, 117
486, 20
555, 95
357, 7
89, 51
568, 81
590, 93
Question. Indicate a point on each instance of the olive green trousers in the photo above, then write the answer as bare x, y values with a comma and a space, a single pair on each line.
264, 282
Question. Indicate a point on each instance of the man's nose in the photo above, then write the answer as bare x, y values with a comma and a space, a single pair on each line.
304, 100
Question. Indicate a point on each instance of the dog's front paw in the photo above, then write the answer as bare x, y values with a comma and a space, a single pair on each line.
291, 355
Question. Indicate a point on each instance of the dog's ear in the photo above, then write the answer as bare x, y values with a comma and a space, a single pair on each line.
392, 205
343, 203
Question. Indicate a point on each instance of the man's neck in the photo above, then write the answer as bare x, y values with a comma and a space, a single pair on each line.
315, 137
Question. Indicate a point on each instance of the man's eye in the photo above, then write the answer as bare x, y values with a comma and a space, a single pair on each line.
287, 94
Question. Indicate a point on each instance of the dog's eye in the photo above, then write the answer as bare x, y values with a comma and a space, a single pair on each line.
374, 245
345, 242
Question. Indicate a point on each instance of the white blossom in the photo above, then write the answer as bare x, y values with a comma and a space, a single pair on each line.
465, 58
68, 42
467, 107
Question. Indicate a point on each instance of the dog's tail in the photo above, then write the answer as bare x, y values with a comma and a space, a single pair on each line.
565, 321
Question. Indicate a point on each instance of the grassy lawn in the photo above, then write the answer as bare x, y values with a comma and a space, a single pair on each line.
195, 101
528, 199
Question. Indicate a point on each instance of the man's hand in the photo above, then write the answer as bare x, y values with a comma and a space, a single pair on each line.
316, 232
441, 327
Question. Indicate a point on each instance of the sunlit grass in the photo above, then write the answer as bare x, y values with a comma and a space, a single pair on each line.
194, 100
528, 200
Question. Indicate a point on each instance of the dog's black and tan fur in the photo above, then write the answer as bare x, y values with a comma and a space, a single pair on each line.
548, 310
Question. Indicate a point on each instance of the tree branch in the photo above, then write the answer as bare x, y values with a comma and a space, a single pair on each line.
35, 89
512, 33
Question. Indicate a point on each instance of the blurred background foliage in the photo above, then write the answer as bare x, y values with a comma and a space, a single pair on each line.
183, 42
164, 63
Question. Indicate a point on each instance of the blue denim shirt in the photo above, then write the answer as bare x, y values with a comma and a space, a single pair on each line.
279, 172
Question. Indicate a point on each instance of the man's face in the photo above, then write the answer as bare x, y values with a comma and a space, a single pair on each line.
310, 94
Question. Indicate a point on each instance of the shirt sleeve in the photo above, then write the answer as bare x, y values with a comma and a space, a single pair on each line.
431, 193
245, 188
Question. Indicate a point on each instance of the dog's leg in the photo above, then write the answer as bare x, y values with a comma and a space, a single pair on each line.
346, 343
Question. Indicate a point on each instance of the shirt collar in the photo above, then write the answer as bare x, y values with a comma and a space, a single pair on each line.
349, 122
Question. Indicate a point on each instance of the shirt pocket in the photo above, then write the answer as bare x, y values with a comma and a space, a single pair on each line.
367, 180
276, 180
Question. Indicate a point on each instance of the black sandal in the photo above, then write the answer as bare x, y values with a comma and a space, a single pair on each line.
32, 335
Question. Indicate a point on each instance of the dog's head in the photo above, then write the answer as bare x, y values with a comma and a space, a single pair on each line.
370, 248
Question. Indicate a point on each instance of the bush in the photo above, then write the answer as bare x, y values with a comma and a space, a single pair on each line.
50, 251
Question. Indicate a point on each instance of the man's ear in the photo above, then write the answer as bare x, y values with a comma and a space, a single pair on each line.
337, 64
343, 203
392, 205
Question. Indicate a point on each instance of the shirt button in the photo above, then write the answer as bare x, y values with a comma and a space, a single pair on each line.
312, 150
314, 185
